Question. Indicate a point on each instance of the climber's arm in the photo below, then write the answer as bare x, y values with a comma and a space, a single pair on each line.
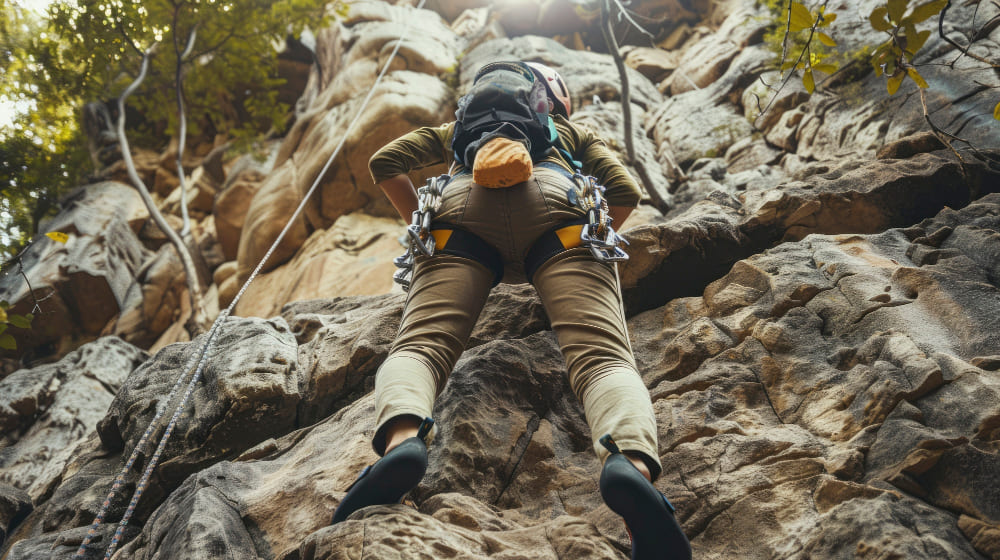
416, 150
400, 192
619, 214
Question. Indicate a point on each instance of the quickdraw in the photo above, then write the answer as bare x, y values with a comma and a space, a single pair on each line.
597, 233
421, 242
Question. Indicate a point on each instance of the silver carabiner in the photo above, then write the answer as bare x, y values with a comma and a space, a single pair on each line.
419, 231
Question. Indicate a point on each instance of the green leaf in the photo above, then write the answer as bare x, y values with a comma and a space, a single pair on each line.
916, 77
788, 65
896, 10
893, 83
3, 327
825, 67
828, 19
877, 19
925, 11
7, 342
917, 41
801, 18
890, 67
826, 40
808, 82
20, 321
996, 112
4, 304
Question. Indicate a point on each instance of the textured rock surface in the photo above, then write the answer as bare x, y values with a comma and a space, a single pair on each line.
46, 412
709, 236
15, 504
353, 257
413, 94
824, 395
81, 284
816, 317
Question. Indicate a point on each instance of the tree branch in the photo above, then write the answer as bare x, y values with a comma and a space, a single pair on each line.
963, 50
609, 38
199, 318
36, 308
182, 119
784, 53
218, 45
628, 16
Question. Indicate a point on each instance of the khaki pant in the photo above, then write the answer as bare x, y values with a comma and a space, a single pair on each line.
580, 296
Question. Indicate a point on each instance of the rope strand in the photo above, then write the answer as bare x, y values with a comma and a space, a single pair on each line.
213, 332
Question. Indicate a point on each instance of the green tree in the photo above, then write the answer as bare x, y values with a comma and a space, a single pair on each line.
89, 50
41, 155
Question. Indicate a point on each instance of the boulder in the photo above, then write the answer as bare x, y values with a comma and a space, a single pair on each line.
146, 163
260, 362
959, 105
154, 301
271, 209
712, 234
15, 504
349, 58
75, 288
48, 411
230, 210
704, 122
704, 61
153, 237
353, 257
655, 64
607, 120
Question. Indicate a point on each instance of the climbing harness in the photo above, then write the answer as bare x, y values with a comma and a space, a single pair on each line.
202, 356
419, 231
427, 238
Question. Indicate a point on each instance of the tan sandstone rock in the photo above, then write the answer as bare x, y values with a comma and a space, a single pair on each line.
353, 257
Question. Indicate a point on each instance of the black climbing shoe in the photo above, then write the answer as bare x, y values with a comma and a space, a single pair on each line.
648, 514
389, 479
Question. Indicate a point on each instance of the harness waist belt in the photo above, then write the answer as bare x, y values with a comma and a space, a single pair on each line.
551, 243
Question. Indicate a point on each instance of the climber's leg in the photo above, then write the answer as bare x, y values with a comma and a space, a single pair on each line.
444, 302
390, 478
581, 298
648, 514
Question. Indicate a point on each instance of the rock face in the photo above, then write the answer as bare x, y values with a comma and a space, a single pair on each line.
79, 285
816, 315
348, 62
353, 257
828, 395
48, 411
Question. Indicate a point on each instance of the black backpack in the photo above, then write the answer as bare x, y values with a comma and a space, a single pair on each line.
506, 99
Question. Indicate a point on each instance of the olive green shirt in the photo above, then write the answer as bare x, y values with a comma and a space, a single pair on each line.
432, 145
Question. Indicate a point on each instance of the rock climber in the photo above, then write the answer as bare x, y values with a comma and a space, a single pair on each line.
507, 215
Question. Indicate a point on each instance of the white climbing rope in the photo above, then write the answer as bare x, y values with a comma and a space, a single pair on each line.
202, 356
